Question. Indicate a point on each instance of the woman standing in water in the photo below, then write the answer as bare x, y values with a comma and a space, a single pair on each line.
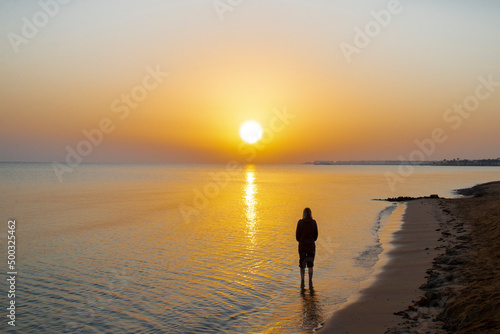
306, 234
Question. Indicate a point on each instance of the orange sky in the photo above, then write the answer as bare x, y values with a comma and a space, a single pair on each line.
262, 57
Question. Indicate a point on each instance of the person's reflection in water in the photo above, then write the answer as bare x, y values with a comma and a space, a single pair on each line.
312, 313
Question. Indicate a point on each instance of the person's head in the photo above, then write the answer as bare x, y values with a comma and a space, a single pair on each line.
307, 214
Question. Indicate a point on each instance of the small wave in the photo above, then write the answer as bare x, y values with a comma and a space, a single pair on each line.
369, 256
382, 216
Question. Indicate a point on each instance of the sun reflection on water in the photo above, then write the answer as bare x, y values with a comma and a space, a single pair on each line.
250, 191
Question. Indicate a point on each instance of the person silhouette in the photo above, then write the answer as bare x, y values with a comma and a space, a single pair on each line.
306, 234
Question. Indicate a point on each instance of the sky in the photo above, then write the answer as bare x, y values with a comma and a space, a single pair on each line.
171, 81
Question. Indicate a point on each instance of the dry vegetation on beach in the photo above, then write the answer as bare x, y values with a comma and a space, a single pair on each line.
462, 293
476, 307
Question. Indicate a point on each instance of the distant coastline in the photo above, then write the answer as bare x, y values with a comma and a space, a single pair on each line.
445, 162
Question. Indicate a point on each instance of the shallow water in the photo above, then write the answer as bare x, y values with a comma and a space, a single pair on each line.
196, 248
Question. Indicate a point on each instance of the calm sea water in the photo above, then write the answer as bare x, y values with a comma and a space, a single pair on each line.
195, 248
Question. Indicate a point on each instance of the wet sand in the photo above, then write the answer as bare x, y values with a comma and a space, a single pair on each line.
442, 274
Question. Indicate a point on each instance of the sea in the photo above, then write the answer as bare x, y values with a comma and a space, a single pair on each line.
135, 248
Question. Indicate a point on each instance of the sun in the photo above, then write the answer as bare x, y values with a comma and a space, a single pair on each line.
251, 132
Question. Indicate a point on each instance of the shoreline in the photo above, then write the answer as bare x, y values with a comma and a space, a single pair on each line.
426, 281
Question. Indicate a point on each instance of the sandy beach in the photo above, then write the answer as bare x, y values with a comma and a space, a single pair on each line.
441, 274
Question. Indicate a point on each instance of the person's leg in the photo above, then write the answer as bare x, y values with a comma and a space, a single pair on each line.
302, 274
310, 265
302, 266
310, 275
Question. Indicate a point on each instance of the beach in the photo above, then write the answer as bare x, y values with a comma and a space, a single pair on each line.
440, 274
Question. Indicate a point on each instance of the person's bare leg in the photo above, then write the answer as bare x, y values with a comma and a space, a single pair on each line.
302, 274
310, 276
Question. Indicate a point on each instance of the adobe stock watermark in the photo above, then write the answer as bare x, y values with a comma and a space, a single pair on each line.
202, 196
121, 106
328, 245
32, 26
454, 118
224, 6
372, 29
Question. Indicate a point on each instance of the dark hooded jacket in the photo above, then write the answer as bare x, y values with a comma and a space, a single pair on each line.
307, 231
